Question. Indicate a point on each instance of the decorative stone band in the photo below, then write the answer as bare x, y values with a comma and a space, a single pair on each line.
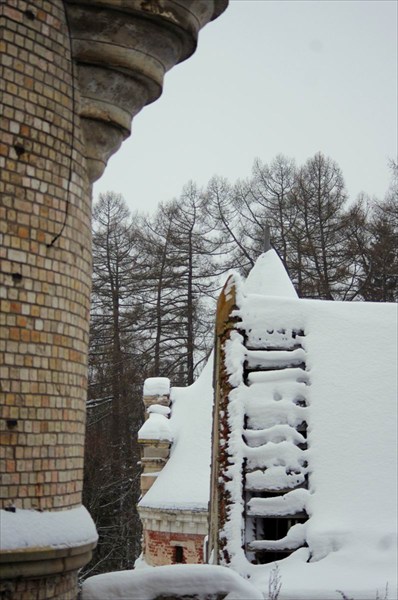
176, 521
38, 562
36, 543
122, 49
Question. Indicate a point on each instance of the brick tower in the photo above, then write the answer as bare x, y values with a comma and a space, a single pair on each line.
73, 74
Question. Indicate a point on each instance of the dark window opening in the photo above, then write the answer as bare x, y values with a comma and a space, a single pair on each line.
273, 529
263, 558
276, 529
300, 401
178, 554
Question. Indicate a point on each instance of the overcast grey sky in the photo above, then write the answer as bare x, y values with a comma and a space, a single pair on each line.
269, 77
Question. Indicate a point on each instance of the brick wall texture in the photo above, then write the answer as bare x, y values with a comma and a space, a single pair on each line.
45, 282
160, 547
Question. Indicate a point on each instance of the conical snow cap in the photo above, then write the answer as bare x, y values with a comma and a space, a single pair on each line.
268, 277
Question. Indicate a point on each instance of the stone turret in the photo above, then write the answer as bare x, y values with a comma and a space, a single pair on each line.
71, 82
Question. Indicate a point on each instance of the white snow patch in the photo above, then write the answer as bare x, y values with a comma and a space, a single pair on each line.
295, 537
156, 427
34, 529
157, 386
292, 503
268, 277
148, 584
273, 478
276, 434
234, 358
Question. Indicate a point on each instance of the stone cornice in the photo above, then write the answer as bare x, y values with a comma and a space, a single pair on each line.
122, 49
190, 522
36, 562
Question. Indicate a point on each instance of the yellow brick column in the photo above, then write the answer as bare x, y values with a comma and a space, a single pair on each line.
45, 279
46, 264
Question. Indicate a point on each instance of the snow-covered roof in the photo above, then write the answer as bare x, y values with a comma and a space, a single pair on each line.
184, 481
350, 386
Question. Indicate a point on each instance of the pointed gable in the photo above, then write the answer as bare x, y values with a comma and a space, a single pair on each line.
269, 277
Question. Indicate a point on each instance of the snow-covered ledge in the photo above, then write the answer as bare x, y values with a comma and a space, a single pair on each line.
43, 543
171, 581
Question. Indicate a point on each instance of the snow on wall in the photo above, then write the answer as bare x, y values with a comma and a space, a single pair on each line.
157, 386
294, 502
184, 482
350, 386
159, 408
353, 430
34, 529
156, 427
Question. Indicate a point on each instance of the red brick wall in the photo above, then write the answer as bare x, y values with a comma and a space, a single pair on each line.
159, 547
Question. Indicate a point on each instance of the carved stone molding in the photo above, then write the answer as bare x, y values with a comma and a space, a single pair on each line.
122, 50
38, 562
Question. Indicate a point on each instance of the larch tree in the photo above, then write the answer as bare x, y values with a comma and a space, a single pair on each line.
114, 404
180, 247
320, 198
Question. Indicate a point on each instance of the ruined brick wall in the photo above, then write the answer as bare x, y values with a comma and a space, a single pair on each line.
173, 536
219, 496
161, 548
45, 279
